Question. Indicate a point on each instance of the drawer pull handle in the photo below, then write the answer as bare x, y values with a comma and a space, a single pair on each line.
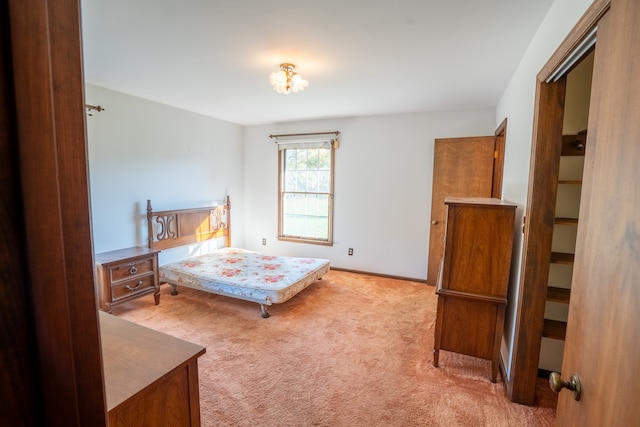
129, 288
133, 270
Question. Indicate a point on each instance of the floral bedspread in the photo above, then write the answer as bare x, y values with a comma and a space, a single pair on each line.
248, 275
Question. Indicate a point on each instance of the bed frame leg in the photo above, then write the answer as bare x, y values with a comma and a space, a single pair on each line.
174, 289
264, 311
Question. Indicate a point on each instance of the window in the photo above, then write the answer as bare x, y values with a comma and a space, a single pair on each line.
306, 191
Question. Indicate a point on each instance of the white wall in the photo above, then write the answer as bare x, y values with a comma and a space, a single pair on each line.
383, 178
517, 104
141, 150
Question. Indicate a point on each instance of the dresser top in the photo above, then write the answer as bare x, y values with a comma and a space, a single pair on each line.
135, 357
478, 201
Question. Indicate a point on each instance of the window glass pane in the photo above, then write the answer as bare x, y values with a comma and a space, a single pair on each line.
312, 162
312, 182
324, 181
306, 215
289, 181
324, 159
290, 159
302, 159
301, 181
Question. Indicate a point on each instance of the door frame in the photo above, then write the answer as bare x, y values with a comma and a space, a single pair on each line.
538, 227
498, 159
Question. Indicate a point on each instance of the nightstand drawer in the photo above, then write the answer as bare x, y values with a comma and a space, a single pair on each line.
132, 287
131, 269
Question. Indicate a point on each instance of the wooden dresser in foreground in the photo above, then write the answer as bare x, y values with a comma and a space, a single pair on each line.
151, 378
473, 278
125, 274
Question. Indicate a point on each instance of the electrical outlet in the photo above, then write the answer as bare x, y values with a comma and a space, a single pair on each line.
264, 241
350, 251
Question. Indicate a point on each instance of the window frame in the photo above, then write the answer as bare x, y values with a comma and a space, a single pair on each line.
281, 163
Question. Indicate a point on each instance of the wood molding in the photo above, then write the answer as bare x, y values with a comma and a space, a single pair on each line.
498, 163
538, 229
387, 276
583, 27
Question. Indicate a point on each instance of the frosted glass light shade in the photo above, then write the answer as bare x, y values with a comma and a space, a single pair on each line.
286, 80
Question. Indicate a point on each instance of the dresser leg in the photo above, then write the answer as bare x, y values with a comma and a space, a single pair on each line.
438, 331
497, 340
494, 372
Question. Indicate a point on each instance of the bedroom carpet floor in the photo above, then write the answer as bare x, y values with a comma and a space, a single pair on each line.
350, 350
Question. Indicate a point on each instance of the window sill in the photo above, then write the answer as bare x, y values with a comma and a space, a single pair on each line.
303, 240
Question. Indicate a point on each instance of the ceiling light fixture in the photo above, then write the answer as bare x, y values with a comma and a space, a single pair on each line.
286, 80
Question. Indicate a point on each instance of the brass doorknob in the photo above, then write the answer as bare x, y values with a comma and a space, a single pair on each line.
434, 222
557, 383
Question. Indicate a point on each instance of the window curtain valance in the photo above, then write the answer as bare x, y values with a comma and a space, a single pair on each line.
306, 140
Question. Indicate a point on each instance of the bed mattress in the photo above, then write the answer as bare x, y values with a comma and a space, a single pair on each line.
239, 273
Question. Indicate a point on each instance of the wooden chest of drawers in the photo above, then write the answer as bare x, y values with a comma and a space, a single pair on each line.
126, 274
474, 277
154, 382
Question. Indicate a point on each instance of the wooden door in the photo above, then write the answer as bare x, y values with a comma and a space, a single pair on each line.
462, 167
51, 355
603, 328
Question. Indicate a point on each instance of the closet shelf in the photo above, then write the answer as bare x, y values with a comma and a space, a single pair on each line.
570, 181
561, 295
554, 329
566, 221
562, 258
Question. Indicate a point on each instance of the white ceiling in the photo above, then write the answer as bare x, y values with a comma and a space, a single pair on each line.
361, 57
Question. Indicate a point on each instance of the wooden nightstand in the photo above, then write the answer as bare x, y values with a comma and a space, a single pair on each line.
126, 274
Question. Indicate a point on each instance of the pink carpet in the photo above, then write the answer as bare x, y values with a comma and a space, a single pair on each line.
350, 350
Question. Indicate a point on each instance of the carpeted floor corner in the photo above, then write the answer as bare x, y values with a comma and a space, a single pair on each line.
350, 350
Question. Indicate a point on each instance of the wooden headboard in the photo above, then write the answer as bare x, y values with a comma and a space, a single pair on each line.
187, 226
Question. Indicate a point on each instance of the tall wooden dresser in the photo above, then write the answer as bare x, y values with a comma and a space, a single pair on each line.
473, 278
